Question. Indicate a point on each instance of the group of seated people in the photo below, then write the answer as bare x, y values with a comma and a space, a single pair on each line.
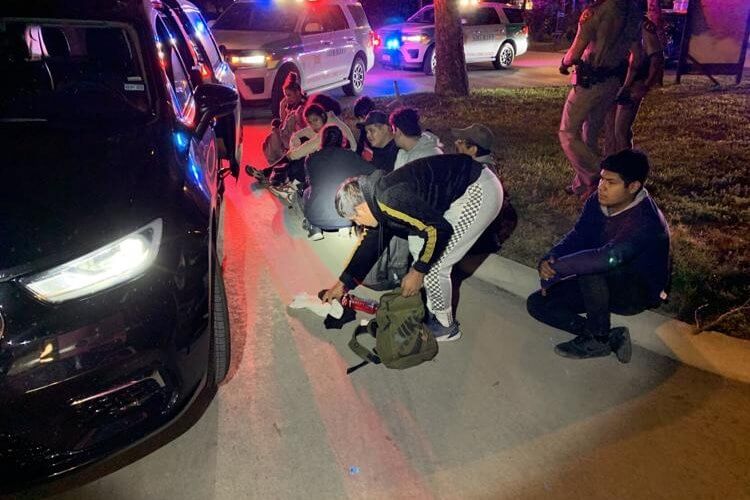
427, 208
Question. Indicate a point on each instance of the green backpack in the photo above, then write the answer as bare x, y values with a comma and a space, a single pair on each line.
401, 338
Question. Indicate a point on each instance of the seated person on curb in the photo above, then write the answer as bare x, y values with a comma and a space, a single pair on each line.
413, 143
615, 259
290, 120
361, 108
380, 136
325, 170
442, 202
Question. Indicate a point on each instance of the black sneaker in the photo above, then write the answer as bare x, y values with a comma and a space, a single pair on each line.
619, 342
583, 347
256, 173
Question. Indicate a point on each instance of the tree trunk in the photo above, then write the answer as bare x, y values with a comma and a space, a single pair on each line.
450, 74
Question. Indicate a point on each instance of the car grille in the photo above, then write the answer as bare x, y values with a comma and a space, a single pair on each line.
256, 85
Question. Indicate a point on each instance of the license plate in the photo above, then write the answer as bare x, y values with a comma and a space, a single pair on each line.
386, 57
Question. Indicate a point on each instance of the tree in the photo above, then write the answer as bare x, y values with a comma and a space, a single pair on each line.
450, 72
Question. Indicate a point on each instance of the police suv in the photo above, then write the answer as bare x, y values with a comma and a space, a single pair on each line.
329, 43
492, 32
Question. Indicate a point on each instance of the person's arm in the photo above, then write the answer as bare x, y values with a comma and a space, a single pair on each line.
584, 35
655, 51
364, 256
425, 221
305, 149
579, 237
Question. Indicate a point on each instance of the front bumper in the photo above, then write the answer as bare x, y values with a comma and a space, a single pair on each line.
408, 55
88, 378
255, 84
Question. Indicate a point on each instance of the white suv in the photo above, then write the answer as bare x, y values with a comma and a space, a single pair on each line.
329, 43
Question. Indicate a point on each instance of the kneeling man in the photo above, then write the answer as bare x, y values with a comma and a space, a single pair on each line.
442, 204
615, 259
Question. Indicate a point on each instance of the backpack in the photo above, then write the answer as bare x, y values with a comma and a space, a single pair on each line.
401, 338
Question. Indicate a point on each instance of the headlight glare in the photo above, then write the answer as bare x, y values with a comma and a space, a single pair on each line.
103, 268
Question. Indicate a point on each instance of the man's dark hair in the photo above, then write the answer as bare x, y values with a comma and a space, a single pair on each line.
317, 110
331, 136
407, 121
327, 102
630, 164
363, 106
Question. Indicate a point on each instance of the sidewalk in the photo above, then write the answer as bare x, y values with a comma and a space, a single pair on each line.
710, 351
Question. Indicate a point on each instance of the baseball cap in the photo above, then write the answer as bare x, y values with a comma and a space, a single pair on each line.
376, 118
477, 134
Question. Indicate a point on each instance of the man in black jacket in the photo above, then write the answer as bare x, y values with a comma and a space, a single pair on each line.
445, 202
380, 136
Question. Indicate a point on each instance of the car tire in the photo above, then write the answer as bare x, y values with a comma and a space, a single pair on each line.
356, 77
430, 61
220, 347
505, 56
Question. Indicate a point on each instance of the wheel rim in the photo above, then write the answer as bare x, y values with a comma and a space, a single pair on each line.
506, 56
433, 62
358, 76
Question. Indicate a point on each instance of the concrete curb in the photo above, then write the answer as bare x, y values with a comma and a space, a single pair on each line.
709, 351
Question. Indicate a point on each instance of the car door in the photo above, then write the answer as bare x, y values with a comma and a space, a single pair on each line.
341, 54
487, 33
315, 44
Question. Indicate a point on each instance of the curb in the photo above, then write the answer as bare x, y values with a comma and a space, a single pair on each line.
710, 351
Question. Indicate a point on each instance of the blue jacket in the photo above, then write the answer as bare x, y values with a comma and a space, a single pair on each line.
635, 240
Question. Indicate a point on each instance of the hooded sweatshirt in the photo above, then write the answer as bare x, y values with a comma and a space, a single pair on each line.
635, 239
427, 145
298, 150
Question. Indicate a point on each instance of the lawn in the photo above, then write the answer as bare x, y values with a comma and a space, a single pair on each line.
698, 140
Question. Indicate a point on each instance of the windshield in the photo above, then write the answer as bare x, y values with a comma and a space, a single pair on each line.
247, 16
68, 70
424, 16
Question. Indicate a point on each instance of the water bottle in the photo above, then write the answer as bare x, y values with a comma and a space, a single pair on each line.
359, 304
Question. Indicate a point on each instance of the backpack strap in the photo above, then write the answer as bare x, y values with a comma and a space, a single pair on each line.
367, 355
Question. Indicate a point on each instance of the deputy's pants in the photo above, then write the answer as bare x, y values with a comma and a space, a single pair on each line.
618, 129
581, 122
469, 215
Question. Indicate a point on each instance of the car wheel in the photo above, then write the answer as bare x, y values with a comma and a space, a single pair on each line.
430, 61
356, 77
504, 57
219, 349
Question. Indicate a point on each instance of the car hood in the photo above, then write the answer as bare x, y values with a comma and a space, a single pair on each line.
66, 191
253, 40
408, 28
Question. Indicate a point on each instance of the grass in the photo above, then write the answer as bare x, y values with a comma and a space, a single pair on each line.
698, 140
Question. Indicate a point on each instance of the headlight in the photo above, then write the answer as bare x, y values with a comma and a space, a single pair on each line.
253, 60
415, 38
106, 267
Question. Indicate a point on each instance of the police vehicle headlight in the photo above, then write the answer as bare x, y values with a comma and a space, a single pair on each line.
250, 60
110, 265
423, 39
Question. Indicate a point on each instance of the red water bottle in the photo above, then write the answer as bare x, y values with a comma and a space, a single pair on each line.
359, 304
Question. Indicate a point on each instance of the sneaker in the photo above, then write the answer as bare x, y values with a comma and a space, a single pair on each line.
315, 233
256, 174
286, 192
443, 333
583, 347
619, 342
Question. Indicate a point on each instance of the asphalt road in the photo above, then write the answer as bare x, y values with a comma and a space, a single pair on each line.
495, 415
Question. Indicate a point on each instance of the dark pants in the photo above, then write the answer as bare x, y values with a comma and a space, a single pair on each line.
597, 295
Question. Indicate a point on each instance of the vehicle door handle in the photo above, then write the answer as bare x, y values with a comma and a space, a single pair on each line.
326, 42
349, 38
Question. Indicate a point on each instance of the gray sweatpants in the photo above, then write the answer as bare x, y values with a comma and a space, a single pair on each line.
581, 122
469, 215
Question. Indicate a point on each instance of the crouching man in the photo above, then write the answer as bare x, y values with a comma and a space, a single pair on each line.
442, 204
615, 259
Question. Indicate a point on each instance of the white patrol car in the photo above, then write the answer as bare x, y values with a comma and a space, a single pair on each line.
329, 43
493, 32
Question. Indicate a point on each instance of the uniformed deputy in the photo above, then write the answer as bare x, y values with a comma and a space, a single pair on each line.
607, 31
641, 78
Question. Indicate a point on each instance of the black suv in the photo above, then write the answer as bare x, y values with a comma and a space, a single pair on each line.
113, 315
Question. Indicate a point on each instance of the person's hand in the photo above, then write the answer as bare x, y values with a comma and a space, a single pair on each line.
411, 284
564, 69
623, 96
638, 93
545, 269
335, 292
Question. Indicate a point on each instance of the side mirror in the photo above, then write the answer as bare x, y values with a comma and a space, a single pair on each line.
211, 23
213, 101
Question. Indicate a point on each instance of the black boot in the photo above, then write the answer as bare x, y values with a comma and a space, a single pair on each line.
619, 342
584, 347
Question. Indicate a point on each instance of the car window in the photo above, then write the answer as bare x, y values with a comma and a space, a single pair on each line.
204, 37
185, 48
323, 19
336, 21
482, 16
359, 16
424, 16
174, 67
246, 16
67, 70
515, 16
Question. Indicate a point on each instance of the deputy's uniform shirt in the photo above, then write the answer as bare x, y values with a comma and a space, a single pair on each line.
606, 32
